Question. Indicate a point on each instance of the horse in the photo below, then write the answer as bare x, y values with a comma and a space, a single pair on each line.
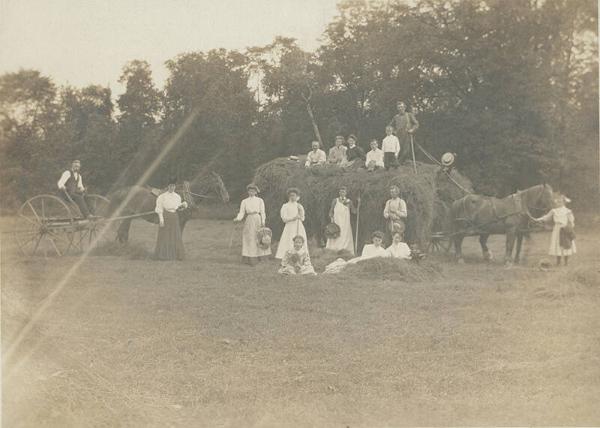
142, 201
476, 215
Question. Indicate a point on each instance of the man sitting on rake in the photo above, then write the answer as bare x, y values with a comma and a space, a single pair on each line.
72, 190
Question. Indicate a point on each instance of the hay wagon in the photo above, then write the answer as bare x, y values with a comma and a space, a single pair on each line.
48, 224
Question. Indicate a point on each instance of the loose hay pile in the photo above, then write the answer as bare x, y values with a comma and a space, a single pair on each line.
428, 195
395, 270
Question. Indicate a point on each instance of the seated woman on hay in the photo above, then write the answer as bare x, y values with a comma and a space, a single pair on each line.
398, 250
296, 261
355, 155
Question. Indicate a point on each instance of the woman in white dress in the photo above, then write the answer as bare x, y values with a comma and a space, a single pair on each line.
339, 213
563, 219
292, 214
253, 210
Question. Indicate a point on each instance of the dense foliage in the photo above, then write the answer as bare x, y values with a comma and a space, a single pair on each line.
511, 86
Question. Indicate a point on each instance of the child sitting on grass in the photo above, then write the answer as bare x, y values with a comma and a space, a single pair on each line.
296, 261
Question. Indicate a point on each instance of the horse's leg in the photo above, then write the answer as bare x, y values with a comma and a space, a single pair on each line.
487, 255
123, 231
519, 245
510, 244
458, 239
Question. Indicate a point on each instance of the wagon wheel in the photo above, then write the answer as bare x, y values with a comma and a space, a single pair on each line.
90, 230
439, 242
44, 224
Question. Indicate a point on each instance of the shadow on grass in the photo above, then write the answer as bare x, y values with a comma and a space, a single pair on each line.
131, 251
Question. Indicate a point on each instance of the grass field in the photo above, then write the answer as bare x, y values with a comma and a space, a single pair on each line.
211, 342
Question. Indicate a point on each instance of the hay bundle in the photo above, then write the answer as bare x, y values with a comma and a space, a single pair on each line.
425, 193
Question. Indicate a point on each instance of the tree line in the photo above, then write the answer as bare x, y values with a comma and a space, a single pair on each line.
510, 86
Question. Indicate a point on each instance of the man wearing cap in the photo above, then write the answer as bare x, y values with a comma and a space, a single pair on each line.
316, 156
404, 124
71, 188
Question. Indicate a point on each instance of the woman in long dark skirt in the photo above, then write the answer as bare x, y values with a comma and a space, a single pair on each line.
169, 244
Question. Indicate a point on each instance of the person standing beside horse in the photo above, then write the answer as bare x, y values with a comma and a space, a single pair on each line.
72, 190
562, 240
292, 214
404, 124
339, 213
253, 210
395, 212
169, 243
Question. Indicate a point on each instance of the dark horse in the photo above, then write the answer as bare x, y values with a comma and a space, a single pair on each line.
142, 199
475, 215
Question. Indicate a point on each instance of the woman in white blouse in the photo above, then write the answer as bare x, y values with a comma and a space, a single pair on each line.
253, 210
292, 214
169, 244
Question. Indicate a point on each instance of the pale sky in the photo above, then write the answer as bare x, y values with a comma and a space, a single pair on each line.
82, 42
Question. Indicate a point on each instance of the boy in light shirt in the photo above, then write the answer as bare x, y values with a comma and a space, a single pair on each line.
374, 157
391, 148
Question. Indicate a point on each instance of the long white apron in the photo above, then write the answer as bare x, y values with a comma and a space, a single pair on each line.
290, 210
341, 217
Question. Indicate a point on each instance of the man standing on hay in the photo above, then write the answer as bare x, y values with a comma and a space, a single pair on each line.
337, 154
404, 124
292, 214
316, 157
395, 212
339, 213
253, 210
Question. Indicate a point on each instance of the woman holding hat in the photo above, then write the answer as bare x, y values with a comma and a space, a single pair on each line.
253, 210
169, 244
339, 213
292, 214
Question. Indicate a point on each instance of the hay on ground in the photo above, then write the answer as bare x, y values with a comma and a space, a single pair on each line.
428, 195
394, 270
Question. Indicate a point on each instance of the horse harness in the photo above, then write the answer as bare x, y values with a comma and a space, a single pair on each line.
517, 201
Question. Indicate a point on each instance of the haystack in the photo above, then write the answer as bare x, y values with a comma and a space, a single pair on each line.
428, 195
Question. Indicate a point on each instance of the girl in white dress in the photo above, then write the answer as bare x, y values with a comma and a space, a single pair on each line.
562, 218
253, 210
339, 213
292, 214
297, 261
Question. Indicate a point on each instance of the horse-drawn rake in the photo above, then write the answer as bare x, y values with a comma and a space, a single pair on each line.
48, 225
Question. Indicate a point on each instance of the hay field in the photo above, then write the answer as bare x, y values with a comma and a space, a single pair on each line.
211, 342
